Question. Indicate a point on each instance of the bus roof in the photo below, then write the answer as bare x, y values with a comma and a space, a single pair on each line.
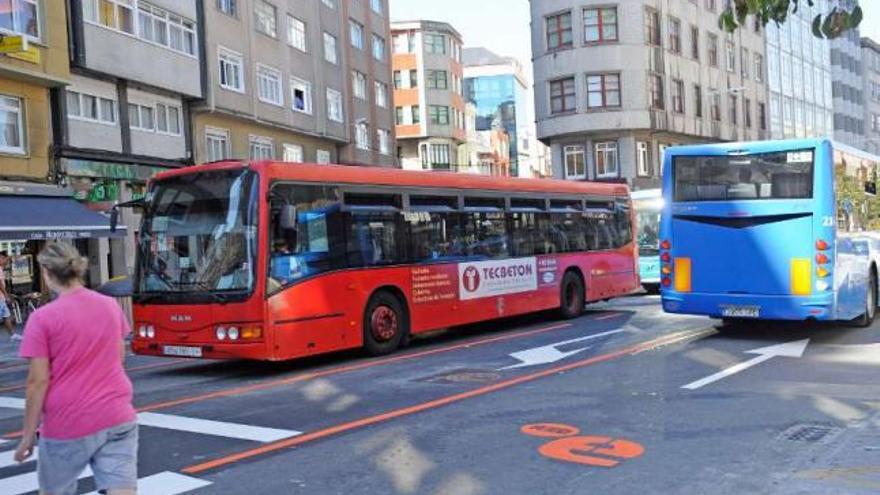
763, 146
382, 176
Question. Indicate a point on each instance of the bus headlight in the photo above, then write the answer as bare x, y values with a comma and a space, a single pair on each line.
221, 333
151, 332
142, 331
232, 333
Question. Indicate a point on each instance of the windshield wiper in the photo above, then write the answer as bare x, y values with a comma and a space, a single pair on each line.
208, 290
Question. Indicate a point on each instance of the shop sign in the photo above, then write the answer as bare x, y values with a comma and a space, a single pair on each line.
13, 43
107, 170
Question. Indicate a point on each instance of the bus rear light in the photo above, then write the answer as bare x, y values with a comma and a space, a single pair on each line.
822, 272
822, 285
821, 259
801, 277
682, 274
221, 333
822, 245
666, 270
666, 281
666, 245
665, 257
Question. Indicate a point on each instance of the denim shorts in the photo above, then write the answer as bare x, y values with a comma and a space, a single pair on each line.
4, 310
111, 453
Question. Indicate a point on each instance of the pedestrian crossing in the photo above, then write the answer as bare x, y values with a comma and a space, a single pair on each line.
163, 483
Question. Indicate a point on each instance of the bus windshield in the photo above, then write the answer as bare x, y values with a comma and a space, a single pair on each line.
199, 234
648, 217
776, 175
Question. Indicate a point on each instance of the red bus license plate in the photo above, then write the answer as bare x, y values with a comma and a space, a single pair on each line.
176, 350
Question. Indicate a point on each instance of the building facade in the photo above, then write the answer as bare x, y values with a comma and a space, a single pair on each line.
304, 84
799, 78
498, 89
871, 85
428, 95
609, 100
846, 86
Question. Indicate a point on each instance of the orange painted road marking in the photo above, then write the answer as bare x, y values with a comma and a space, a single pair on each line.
592, 450
434, 404
550, 430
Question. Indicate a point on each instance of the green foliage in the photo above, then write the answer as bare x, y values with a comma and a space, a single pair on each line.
865, 207
827, 25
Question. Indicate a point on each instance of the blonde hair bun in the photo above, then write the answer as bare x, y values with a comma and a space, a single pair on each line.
63, 262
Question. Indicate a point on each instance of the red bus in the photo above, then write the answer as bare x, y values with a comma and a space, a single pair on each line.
276, 261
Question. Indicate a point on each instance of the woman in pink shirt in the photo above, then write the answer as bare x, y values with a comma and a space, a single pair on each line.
78, 394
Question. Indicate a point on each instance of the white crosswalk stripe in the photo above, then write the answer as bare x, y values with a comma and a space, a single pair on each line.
216, 428
28, 482
167, 483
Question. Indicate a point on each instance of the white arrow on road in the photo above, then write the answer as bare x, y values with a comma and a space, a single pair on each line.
793, 349
550, 354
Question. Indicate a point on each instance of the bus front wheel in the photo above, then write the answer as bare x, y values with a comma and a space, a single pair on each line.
870, 302
571, 292
385, 324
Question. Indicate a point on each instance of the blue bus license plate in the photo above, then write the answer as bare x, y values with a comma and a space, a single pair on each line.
741, 311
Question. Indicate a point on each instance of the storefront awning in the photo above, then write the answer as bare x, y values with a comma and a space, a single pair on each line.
51, 217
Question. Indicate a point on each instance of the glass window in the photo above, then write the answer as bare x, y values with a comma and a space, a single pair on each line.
643, 161
261, 148
652, 26
362, 136
559, 33
438, 114
603, 90
217, 144
296, 33
378, 47
377, 7
356, 32
383, 136
674, 35
359, 84
293, 153
698, 101
600, 24
677, 96
12, 132
435, 43
334, 105
73, 107
264, 16
606, 159
695, 43
381, 94
301, 95
730, 56
269, 85
562, 95
229, 7
436, 79
712, 49
330, 48
231, 70
658, 100
575, 162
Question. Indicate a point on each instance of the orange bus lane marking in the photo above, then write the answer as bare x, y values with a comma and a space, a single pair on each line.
592, 450
443, 401
550, 430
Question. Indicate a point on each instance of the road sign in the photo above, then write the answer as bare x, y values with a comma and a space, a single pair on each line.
13, 44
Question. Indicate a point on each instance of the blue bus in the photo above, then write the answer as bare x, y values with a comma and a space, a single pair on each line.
647, 204
777, 230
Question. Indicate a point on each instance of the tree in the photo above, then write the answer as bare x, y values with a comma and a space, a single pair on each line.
829, 25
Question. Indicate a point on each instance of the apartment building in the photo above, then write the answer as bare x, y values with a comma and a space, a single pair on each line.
428, 103
799, 77
306, 82
135, 67
871, 85
617, 83
847, 87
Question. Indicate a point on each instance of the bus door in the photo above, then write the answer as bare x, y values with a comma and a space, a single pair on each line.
743, 224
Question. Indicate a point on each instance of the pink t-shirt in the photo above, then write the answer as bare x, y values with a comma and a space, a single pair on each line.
80, 333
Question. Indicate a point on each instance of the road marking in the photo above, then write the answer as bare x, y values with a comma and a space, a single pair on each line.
28, 482
794, 349
7, 458
550, 430
215, 428
11, 403
596, 451
167, 483
548, 354
443, 401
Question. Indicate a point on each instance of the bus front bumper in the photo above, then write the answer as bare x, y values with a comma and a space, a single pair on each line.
239, 350
812, 307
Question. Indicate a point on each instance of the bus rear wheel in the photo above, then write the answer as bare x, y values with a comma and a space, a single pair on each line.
870, 302
571, 293
385, 324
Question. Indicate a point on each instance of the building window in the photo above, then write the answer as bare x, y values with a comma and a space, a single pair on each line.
712, 49
401, 43
677, 96
356, 32
87, 107
606, 159
114, 14
656, 92
166, 29
217, 144
293, 153
362, 136
575, 160
744, 63
359, 84
322, 157
416, 114
711, 5
296, 33
231, 67
674, 35
698, 101
329, 3
562, 96
141, 117
12, 133
759, 68
600, 25
643, 164
715, 109
330, 48
167, 119
398, 115
397, 79
381, 94
762, 116
695, 43
747, 112
378, 47
261, 148
383, 136
652, 27
438, 156
334, 105
413, 79
376, 5
559, 34
228, 7
732, 109
603, 90
264, 16
435, 43
438, 114
436, 79
301, 95
269, 85
730, 56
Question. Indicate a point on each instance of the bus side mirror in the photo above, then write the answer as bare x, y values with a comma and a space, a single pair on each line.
871, 188
288, 218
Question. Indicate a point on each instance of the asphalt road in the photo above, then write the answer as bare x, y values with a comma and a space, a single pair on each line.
623, 400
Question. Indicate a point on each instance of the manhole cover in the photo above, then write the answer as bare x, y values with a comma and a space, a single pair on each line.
464, 376
810, 432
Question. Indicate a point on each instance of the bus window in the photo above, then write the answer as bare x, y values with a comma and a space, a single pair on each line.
623, 225
316, 244
429, 235
372, 238
482, 235
526, 236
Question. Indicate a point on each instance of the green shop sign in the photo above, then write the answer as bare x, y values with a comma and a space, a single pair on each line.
108, 170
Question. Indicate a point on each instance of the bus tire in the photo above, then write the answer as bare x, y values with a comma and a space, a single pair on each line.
870, 302
571, 295
385, 324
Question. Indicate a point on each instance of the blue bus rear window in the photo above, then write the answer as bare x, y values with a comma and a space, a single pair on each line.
778, 175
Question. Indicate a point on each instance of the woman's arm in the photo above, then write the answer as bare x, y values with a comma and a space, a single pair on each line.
37, 386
